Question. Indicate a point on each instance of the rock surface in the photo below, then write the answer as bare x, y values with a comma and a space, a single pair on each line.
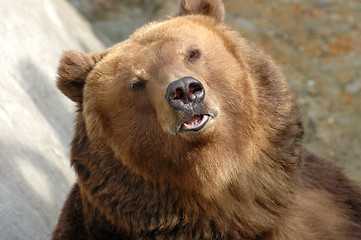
316, 43
35, 118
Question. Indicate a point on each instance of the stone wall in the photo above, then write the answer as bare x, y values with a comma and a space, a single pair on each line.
36, 120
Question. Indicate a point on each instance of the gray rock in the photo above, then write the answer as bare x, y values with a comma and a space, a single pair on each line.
35, 118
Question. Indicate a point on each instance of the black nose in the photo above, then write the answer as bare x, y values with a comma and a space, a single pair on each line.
182, 94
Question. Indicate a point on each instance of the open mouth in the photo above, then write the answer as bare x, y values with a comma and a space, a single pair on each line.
195, 123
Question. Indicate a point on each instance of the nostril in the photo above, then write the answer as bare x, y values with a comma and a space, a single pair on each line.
196, 92
195, 88
178, 94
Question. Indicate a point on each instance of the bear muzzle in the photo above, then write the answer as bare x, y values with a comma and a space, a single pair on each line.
186, 95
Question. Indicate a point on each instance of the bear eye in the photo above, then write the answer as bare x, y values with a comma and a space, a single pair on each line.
137, 86
193, 54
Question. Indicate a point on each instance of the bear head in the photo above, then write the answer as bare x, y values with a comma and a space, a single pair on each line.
189, 102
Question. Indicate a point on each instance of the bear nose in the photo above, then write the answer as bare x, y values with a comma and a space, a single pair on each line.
182, 94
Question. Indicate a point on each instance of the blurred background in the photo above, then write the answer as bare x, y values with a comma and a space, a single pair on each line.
316, 43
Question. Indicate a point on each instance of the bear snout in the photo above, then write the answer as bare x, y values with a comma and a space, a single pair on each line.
185, 94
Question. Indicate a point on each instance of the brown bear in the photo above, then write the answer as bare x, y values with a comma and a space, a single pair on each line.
188, 131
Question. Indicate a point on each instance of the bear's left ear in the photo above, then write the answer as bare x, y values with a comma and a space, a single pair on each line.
212, 8
73, 69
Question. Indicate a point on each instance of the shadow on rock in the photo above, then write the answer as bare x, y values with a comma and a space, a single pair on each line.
35, 187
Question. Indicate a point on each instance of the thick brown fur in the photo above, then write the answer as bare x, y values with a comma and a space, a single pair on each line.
245, 175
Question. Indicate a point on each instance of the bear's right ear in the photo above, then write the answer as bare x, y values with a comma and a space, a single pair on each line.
211, 8
73, 69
